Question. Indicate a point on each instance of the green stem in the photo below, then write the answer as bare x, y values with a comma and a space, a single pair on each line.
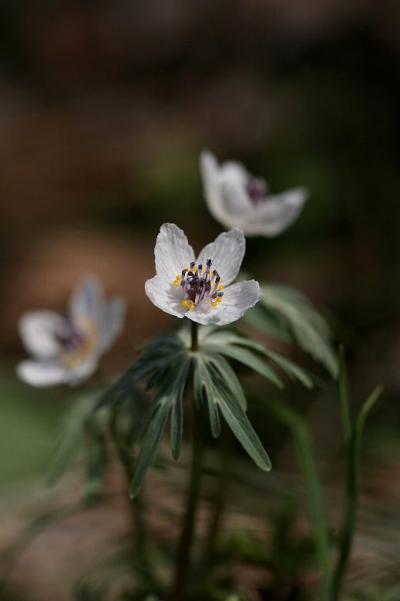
188, 525
352, 494
308, 465
344, 399
220, 498
139, 523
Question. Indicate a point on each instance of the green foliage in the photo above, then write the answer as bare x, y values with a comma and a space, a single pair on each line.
286, 314
72, 434
164, 368
353, 434
83, 427
212, 384
232, 344
306, 456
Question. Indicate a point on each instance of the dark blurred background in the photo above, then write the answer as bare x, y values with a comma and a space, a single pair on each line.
104, 109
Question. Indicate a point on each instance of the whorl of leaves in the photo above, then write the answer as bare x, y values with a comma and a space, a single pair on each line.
167, 365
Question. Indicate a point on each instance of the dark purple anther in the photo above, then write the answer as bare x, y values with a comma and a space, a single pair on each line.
69, 338
199, 285
257, 190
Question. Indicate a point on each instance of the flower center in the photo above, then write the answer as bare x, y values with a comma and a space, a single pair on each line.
77, 342
200, 284
257, 190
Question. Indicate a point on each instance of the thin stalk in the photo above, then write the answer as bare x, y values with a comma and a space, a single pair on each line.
312, 481
188, 525
344, 399
220, 497
352, 494
137, 507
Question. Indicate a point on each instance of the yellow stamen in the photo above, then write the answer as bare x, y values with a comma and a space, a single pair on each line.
220, 287
214, 303
177, 281
188, 304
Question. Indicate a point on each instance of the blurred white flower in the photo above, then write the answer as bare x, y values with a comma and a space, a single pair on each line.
236, 199
201, 289
66, 350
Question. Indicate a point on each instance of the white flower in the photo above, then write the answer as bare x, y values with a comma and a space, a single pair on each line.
236, 199
66, 350
201, 289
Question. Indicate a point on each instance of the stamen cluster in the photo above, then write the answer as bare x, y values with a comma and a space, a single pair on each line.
77, 342
199, 284
257, 190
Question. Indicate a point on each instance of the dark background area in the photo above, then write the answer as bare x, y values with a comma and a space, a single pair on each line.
104, 109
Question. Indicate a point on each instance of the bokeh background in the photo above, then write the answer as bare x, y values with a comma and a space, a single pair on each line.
104, 109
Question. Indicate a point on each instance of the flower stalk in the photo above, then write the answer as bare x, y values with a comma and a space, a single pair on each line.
188, 523
220, 497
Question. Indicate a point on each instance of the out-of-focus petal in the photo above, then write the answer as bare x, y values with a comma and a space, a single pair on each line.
276, 214
227, 252
224, 208
113, 322
82, 372
37, 330
87, 300
42, 373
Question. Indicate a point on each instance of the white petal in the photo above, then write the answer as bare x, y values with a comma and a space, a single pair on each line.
37, 330
42, 373
212, 186
82, 372
164, 296
223, 208
227, 252
113, 322
87, 300
172, 251
276, 214
235, 174
236, 202
238, 298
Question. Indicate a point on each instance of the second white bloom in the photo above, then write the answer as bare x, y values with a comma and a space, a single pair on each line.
201, 288
235, 198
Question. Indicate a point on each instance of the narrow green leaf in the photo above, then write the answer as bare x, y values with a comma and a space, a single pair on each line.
308, 327
352, 493
306, 456
222, 337
198, 381
227, 377
204, 389
228, 337
150, 442
118, 390
215, 422
176, 397
251, 360
269, 321
241, 427
344, 398
72, 435
96, 461
290, 368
